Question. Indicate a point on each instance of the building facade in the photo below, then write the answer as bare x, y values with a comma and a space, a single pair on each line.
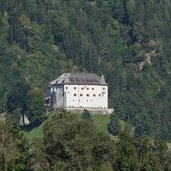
79, 90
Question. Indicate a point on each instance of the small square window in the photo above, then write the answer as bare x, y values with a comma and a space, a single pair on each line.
82, 88
75, 88
93, 88
87, 95
66, 88
75, 94
81, 94
87, 88
94, 95
104, 88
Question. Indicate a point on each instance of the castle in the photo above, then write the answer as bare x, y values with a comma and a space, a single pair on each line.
77, 91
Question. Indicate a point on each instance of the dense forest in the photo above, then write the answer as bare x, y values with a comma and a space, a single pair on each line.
126, 40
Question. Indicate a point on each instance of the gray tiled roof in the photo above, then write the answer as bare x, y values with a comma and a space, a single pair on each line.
80, 78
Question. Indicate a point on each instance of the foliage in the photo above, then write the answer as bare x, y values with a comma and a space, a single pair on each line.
114, 125
14, 150
75, 145
127, 41
140, 155
22, 100
35, 105
18, 98
86, 115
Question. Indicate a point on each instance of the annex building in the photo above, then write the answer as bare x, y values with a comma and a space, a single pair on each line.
78, 91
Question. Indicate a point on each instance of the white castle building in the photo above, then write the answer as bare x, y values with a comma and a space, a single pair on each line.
79, 91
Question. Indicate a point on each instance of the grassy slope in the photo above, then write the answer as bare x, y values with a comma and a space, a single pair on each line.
34, 133
100, 121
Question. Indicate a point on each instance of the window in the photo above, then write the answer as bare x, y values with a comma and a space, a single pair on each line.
66, 88
87, 88
82, 88
104, 88
75, 88
99, 94
94, 95
75, 94
81, 94
87, 95
93, 88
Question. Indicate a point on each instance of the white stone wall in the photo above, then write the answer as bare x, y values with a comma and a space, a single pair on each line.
88, 96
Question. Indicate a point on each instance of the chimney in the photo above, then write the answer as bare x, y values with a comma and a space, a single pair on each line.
102, 79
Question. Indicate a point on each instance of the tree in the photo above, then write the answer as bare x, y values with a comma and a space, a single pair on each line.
126, 155
86, 115
114, 125
70, 144
35, 105
140, 155
14, 150
17, 98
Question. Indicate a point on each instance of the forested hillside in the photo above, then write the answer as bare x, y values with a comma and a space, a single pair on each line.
126, 40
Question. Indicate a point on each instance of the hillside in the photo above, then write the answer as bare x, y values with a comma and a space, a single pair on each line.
127, 41
100, 121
